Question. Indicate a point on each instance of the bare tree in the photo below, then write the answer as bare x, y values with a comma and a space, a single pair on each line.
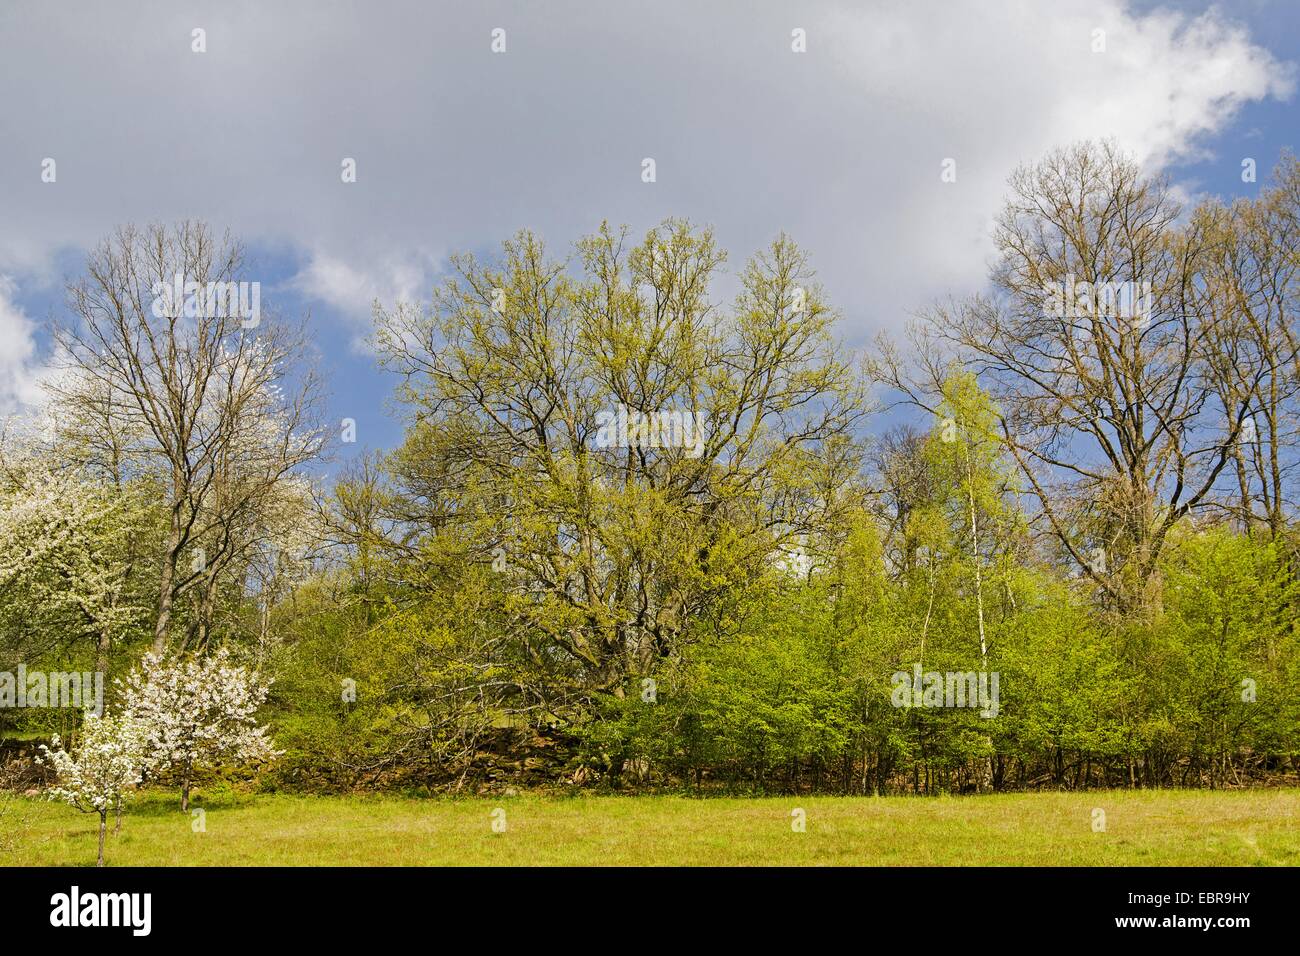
906, 484
1098, 345
1255, 360
196, 389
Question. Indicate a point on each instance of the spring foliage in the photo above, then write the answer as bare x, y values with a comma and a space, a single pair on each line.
1097, 508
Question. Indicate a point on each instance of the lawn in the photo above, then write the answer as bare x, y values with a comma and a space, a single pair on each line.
1244, 828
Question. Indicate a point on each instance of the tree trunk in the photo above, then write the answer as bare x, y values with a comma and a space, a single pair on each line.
975, 556
166, 583
103, 826
986, 766
102, 647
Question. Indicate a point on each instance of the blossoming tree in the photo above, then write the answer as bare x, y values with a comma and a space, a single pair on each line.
70, 567
108, 761
198, 712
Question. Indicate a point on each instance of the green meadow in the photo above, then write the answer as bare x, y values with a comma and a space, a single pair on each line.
1141, 828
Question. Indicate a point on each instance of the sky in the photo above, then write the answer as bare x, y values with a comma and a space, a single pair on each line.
458, 145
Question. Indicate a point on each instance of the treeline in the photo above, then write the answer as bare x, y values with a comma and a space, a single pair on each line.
635, 537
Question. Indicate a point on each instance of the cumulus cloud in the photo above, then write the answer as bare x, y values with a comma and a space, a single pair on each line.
354, 286
457, 147
19, 374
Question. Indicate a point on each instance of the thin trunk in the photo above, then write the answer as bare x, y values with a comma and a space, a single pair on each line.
975, 554
929, 611
166, 585
986, 767
207, 604
102, 647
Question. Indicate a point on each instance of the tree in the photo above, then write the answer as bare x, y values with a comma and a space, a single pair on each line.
972, 482
906, 484
107, 763
628, 455
1255, 352
203, 393
1098, 344
67, 539
198, 712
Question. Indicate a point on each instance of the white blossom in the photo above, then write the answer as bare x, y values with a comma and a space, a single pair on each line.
61, 541
198, 712
108, 762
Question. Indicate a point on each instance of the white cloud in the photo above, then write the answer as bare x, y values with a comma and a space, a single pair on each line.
353, 286
19, 370
456, 147
998, 85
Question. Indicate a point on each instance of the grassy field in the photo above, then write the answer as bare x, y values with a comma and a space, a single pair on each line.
1152, 828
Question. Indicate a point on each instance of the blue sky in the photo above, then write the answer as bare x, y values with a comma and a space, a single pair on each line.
458, 146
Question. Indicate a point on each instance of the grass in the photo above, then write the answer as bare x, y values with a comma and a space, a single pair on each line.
1142, 828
